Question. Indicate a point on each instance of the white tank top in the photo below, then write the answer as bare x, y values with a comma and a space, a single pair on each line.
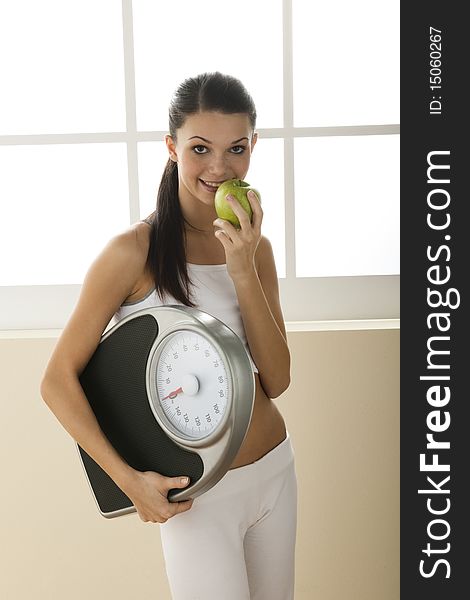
213, 292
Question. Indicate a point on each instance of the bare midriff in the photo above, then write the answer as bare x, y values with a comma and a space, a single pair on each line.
266, 431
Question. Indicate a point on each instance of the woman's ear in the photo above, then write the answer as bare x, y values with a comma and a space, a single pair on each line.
254, 139
170, 144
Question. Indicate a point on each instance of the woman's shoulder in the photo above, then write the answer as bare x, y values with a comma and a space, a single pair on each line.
141, 231
125, 256
132, 243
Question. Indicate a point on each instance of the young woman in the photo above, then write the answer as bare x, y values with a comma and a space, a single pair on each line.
237, 540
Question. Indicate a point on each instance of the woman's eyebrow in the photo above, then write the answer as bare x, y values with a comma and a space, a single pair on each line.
209, 142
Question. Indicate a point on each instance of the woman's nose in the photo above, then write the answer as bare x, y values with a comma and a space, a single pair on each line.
218, 166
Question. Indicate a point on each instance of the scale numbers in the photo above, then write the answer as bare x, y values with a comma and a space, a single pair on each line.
192, 384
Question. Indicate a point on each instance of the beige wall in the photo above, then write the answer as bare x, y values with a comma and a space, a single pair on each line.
342, 411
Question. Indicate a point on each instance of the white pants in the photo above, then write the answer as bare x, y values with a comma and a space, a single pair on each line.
237, 542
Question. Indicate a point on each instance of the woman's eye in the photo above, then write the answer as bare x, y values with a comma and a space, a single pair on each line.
238, 149
199, 149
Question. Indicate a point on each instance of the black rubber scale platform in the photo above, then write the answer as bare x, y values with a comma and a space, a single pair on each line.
114, 383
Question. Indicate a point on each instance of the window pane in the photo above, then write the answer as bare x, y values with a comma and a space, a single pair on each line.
62, 67
176, 41
347, 205
266, 174
60, 205
346, 62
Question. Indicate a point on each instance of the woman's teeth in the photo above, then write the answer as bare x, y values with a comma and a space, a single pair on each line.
210, 183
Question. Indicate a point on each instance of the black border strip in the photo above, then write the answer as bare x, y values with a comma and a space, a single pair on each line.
434, 271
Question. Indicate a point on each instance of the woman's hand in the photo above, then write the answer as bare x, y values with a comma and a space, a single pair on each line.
148, 494
240, 244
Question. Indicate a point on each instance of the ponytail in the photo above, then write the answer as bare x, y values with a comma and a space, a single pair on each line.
167, 253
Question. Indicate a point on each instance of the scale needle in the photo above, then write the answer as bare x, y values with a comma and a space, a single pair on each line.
173, 394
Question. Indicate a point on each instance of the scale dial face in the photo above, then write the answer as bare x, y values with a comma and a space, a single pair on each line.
192, 384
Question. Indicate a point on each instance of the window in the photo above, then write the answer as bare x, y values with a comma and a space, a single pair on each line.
82, 124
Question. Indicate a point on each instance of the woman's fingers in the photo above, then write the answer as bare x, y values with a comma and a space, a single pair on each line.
226, 232
256, 208
240, 244
174, 482
182, 506
245, 221
240, 212
174, 508
151, 497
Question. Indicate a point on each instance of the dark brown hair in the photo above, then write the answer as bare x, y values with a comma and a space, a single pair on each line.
167, 253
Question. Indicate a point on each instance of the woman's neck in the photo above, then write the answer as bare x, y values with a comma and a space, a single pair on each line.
204, 248
197, 215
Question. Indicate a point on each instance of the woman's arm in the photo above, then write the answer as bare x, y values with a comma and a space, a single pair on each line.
111, 278
258, 297
250, 263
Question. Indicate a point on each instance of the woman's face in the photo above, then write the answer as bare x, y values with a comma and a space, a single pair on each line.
210, 148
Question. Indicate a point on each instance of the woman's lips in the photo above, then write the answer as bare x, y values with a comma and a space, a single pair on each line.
210, 188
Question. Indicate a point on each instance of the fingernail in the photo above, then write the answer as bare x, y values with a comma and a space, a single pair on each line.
184, 480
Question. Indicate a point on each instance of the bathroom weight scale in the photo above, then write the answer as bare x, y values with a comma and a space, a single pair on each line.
173, 389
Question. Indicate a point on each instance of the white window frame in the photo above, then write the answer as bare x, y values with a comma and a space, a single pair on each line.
303, 299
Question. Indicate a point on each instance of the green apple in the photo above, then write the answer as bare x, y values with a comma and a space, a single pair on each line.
239, 190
